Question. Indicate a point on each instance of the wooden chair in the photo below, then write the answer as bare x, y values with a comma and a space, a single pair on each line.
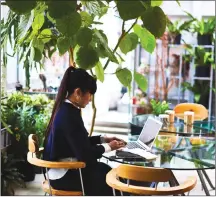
146, 174
32, 157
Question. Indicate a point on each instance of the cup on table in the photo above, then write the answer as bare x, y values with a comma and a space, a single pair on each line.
188, 118
171, 114
164, 118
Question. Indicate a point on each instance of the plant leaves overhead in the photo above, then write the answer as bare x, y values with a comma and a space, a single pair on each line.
84, 36
69, 25
154, 20
130, 9
147, 40
57, 9
63, 45
99, 71
129, 43
86, 57
21, 7
124, 76
141, 81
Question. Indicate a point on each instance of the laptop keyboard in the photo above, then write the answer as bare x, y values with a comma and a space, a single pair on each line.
132, 145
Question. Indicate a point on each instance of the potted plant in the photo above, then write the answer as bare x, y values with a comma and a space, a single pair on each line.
26, 114
204, 30
175, 29
10, 177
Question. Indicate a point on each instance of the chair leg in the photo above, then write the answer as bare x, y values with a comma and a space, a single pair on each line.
49, 182
114, 193
81, 182
45, 194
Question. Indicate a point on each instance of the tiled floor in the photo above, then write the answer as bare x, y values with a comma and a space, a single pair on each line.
34, 187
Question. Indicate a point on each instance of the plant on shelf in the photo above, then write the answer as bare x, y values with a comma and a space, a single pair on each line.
43, 27
10, 177
159, 107
205, 30
175, 28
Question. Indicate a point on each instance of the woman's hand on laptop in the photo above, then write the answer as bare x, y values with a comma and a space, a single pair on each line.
110, 139
114, 144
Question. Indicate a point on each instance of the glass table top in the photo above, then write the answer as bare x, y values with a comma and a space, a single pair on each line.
177, 153
204, 128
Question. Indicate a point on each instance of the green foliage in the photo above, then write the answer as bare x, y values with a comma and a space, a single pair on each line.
204, 27
147, 40
70, 24
141, 81
99, 71
86, 57
63, 44
10, 177
129, 43
159, 107
130, 9
84, 36
154, 20
178, 26
26, 114
124, 76
21, 7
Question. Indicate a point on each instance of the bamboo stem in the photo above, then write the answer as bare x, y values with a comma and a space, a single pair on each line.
94, 115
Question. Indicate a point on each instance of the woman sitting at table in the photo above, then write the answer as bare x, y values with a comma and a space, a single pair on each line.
67, 139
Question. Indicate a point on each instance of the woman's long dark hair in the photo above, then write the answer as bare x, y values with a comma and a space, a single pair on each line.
73, 78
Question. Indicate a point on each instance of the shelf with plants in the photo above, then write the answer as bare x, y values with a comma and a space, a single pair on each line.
26, 114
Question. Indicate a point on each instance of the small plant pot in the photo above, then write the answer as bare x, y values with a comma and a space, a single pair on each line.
203, 70
177, 39
174, 39
205, 39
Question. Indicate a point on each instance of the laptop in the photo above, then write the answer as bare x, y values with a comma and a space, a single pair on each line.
147, 136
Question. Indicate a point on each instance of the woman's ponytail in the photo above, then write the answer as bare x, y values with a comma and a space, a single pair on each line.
61, 95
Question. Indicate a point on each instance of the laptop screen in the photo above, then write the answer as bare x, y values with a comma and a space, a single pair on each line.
150, 131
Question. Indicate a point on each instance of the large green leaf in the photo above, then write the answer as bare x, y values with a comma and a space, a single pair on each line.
130, 9
128, 43
86, 18
37, 43
101, 40
45, 35
154, 20
156, 3
59, 9
141, 81
147, 40
86, 57
37, 55
124, 76
63, 44
38, 22
84, 36
99, 71
21, 7
69, 25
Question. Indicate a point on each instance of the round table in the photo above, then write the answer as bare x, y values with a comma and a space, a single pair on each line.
178, 153
200, 128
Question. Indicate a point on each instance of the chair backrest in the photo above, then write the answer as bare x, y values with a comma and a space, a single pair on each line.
200, 112
33, 144
146, 174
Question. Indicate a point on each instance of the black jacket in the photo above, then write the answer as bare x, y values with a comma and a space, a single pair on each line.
69, 138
